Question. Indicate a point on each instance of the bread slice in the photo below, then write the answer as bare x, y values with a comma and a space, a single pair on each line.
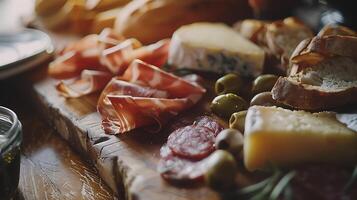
278, 39
284, 36
253, 30
311, 52
329, 84
332, 40
334, 29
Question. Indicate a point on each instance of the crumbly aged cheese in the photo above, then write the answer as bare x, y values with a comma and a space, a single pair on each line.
215, 47
282, 137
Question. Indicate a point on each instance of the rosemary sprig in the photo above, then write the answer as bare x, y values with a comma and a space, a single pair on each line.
270, 188
351, 181
282, 184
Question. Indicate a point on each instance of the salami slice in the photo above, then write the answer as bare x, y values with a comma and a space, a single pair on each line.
176, 169
192, 142
209, 123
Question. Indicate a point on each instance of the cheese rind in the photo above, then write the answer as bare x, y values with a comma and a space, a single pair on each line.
284, 138
215, 47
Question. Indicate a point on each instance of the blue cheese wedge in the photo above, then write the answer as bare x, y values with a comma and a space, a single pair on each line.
276, 136
216, 48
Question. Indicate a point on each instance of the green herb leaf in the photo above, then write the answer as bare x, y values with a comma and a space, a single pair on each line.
270, 188
263, 195
282, 184
352, 181
254, 188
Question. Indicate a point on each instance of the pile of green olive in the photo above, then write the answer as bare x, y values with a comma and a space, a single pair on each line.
231, 103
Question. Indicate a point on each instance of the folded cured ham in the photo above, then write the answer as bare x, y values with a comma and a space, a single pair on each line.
83, 54
118, 58
90, 81
145, 95
89, 64
136, 93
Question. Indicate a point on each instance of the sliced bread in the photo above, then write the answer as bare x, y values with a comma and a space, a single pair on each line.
329, 84
332, 40
313, 51
253, 30
284, 36
334, 29
278, 39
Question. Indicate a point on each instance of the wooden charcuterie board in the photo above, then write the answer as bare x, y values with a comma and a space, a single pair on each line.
127, 163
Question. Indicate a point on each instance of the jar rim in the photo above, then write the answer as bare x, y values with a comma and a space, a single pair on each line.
13, 131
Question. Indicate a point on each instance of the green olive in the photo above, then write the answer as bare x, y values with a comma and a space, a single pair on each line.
221, 170
230, 140
237, 120
264, 83
264, 99
230, 83
227, 104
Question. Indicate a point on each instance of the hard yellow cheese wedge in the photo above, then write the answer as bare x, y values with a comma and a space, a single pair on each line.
284, 138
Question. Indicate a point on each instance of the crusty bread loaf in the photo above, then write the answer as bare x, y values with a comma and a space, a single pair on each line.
102, 5
329, 84
283, 37
322, 72
253, 30
48, 7
327, 46
152, 20
278, 38
334, 29
313, 50
310, 52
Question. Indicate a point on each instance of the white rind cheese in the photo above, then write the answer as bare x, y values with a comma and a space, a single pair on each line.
215, 47
284, 138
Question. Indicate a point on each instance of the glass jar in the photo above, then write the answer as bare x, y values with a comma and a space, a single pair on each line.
10, 141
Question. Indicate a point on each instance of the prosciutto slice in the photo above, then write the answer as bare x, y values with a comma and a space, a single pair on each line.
89, 82
136, 93
119, 57
83, 54
107, 53
145, 95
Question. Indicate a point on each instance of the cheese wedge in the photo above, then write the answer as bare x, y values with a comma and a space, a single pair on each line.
276, 136
215, 47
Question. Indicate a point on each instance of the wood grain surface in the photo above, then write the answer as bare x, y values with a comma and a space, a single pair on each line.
127, 162
49, 169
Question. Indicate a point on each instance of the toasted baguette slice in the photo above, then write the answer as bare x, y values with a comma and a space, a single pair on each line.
336, 30
331, 83
105, 19
253, 30
332, 40
284, 36
102, 5
278, 39
311, 52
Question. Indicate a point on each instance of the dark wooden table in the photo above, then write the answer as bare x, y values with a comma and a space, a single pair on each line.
50, 169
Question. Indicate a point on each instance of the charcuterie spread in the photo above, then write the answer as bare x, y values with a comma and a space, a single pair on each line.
279, 110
